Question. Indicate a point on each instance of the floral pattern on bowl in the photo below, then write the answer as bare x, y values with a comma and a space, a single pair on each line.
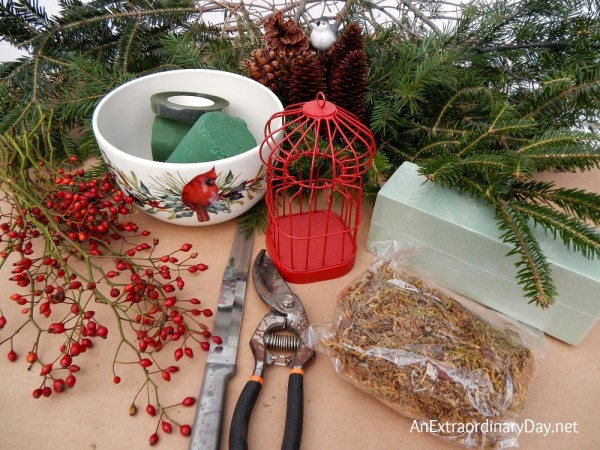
180, 197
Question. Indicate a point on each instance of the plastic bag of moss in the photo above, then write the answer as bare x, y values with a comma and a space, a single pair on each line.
458, 369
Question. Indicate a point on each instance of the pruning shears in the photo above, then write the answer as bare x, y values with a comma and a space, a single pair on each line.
287, 315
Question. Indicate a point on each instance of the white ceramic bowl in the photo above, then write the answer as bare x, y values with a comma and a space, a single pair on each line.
122, 125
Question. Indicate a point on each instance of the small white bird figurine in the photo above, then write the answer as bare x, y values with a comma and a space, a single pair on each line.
323, 35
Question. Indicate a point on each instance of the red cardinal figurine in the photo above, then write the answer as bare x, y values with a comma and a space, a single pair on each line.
199, 193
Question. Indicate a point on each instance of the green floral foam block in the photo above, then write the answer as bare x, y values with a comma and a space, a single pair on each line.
166, 136
465, 253
214, 136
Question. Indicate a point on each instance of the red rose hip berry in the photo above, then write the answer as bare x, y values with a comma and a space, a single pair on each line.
70, 380
153, 439
151, 410
167, 427
188, 401
65, 361
59, 385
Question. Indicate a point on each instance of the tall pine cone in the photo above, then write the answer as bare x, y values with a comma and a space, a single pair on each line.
306, 78
347, 83
285, 37
350, 39
264, 67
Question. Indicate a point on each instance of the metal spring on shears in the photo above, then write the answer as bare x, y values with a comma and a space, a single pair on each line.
286, 343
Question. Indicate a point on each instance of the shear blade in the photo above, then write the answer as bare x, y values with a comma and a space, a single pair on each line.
269, 284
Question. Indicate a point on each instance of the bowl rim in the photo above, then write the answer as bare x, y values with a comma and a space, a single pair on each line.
171, 165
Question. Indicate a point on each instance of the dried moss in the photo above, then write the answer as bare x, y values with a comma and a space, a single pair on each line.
427, 356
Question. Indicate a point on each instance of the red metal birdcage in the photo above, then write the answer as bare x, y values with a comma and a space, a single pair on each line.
315, 163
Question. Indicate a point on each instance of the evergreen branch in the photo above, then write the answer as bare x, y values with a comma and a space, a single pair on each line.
519, 167
508, 165
16, 116
443, 170
255, 218
461, 93
533, 190
577, 202
462, 184
113, 34
573, 233
554, 139
565, 159
429, 149
534, 274
558, 99
129, 43
22, 19
379, 171
10, 69
384, 121
433, 131
527, 45
492, 162
65, 26
483, 10
403, 154
474, 188
502, 123
582, 204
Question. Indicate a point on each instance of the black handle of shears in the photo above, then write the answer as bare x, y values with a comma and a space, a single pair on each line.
238, 433
295, 411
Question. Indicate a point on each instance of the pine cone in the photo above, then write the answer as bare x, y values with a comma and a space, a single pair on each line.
306, 78
285, 37
350, 39
347, 83
264, 67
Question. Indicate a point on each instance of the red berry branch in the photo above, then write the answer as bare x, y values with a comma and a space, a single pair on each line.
74, 251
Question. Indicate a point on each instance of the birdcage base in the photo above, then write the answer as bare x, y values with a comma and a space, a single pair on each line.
309, 247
